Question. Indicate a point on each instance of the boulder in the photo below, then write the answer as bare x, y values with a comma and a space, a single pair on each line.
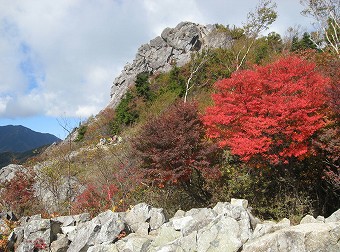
157, 218
134, 242
103, 229
268, 227
36, 232
303, 237
222, 234
8, 172
137, 216
143, 218
334, 217
309, 219
239, 214
61, 244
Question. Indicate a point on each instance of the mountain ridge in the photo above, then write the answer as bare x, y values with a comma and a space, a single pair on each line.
18, 139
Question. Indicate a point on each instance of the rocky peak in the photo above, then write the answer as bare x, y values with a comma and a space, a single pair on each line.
174, 46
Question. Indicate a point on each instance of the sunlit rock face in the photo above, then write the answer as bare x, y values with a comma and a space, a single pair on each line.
173, 47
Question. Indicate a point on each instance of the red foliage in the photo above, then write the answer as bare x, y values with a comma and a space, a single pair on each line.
39, 243
269, 112
172, 146
18, 193
95, 199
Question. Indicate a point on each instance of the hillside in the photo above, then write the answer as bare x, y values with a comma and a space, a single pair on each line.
21, 139
196, 119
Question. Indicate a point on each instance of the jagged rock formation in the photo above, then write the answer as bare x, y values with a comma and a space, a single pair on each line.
226, 227
7, 173
174, 46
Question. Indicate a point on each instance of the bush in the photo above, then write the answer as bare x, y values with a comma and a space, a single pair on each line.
173, 150
142, 86
81, 133
95, 199
18, 194
270, 113
125, 113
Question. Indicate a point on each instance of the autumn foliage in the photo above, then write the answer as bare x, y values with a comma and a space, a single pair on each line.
95, 198
270, 112
18, 193
173, 145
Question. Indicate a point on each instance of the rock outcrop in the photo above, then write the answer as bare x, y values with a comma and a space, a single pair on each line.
42, 188
226, 227
174, 46
7, 173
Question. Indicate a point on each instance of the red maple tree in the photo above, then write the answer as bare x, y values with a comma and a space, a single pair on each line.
173, 145
269, 112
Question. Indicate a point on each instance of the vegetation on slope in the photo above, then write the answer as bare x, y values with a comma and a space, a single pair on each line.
275, 121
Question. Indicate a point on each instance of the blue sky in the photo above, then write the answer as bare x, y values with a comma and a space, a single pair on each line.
58, 58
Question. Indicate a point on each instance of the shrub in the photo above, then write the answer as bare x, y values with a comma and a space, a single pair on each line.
269, 113
95, 199
125, 113
81, 133
142, 86
173, 150
18, 193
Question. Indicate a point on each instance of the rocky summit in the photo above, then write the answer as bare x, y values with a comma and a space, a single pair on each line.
225, 227
173, 47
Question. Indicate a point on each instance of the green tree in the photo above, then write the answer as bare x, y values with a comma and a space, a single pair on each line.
142, 85
125, 113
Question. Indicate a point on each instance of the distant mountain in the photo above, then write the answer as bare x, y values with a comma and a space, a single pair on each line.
7, 158
20, 139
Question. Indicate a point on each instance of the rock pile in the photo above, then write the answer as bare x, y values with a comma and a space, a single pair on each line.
226, 227
174, 46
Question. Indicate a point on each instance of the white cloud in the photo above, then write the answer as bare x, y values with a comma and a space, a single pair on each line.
60, 58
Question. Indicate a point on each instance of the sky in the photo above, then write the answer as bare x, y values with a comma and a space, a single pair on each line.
58, 58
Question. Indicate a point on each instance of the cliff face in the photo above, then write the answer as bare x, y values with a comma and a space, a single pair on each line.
174, 46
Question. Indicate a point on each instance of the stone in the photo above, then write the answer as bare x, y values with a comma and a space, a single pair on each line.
239, 214
103, 229
269, 227
67, 230
239, 202
7, 173
226, 227
181, 222
305, 237
179, 213
8, 216
143, 229
60, 245
308, 219
24, 247
157, 218
334, 217
200, 218
103, 248
187, 243
165, 235
138, 215
134, 242
220, 235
